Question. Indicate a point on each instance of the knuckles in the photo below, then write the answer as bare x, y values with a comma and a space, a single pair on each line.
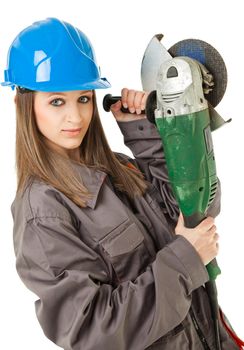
133, 98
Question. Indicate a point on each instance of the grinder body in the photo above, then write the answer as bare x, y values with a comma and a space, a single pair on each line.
190, 161
183, 122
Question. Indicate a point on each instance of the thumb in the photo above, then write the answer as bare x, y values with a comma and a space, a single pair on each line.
116, 109
180, 222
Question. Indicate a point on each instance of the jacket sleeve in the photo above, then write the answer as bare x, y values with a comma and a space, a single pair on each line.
78, 308
144, 141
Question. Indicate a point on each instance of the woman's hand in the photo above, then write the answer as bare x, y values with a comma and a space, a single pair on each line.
135, 101
203, 237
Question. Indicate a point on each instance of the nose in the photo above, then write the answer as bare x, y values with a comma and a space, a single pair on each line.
74, 114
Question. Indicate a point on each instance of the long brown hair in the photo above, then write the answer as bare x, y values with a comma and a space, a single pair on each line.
34, 159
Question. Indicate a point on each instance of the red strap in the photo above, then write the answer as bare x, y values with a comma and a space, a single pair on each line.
130, 165
237, 340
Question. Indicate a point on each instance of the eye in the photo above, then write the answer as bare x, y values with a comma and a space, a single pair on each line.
57, 102
84, 99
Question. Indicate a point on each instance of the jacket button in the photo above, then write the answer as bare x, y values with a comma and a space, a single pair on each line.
140, 127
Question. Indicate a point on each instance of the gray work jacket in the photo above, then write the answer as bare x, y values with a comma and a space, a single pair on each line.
113, 275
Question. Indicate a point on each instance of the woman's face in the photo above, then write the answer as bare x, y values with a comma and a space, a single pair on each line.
63, 118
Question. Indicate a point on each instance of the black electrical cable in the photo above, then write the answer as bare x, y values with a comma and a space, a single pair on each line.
211, 290
210, 286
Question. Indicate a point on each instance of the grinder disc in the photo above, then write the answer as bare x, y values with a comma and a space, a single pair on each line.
210, 58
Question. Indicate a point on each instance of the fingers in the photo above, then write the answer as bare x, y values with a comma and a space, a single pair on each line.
217, 248
215, 243
211, 233
213, 239
134, 100
130, 101
144, 100
212, 230
206, 224
124, 97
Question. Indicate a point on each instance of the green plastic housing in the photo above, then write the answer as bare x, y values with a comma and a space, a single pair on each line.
189, 155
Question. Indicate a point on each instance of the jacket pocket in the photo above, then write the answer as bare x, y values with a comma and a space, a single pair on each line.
127, 252
175, 339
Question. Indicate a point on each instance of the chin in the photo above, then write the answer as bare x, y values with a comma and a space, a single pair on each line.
74, 146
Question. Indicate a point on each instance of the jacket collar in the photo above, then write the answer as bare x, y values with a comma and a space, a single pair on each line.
92, 180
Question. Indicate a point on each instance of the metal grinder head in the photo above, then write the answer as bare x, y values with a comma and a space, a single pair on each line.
210, 58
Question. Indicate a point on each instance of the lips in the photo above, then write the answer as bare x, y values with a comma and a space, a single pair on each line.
72, 130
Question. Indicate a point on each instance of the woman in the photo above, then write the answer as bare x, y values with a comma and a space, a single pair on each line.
97, 235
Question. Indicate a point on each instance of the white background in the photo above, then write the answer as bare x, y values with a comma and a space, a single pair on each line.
120, 32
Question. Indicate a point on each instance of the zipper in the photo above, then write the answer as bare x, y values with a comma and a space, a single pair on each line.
199, 331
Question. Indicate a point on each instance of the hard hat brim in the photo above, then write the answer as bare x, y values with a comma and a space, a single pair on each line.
101, 83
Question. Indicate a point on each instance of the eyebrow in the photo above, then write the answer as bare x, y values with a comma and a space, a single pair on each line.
82, 92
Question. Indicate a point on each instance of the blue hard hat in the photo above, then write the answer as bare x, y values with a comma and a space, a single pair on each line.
53, 55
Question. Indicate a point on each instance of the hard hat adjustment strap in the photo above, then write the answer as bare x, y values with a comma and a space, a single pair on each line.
23, 90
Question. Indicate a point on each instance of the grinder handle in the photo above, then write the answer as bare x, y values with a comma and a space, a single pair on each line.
108, 100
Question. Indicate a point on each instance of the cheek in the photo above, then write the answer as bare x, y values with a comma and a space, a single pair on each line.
41, 119
89, 115
48, 127
40, 116
43, 123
